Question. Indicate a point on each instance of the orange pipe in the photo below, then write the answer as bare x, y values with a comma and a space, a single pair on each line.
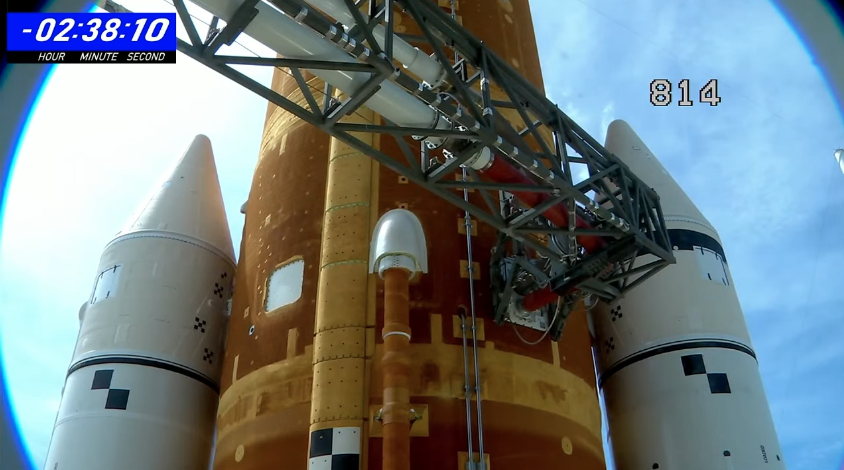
395, 415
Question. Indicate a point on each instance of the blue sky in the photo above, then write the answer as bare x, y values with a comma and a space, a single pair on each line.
759, 165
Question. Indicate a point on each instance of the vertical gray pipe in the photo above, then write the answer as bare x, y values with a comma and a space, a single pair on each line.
470, 462
468, 222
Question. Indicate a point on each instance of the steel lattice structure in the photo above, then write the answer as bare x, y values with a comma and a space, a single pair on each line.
544, 141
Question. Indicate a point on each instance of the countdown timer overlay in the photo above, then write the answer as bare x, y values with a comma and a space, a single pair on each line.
96, 37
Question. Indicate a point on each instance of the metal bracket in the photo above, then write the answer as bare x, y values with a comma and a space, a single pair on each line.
244, 14
414, 416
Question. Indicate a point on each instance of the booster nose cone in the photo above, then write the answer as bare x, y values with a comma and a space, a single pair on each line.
189, 202
627, 146
143, 384
680, 336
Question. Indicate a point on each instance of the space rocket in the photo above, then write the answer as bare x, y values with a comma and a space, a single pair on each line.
675, 362
337, 353
142, 386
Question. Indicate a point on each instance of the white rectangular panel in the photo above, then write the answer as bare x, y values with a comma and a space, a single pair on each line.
711, 266
105, 287
285, 285
346, 441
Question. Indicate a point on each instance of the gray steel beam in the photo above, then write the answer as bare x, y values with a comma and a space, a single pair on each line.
182, 11
241, 18
297, 63
483, 125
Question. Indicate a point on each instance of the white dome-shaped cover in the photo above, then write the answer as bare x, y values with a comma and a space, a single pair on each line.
398, 241
189, 202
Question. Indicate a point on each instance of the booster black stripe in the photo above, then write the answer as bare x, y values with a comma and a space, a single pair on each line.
146, 362
688, 240
672, 347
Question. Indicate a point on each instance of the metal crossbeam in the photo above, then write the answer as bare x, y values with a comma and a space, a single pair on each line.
538, 139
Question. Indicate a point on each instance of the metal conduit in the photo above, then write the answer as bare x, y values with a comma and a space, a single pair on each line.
470, 266
477, 388
470, 463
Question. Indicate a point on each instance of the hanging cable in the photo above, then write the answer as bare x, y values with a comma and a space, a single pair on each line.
544, 334
467, 389
560, 305
470, 268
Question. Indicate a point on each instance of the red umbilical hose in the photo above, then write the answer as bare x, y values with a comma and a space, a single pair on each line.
502, 172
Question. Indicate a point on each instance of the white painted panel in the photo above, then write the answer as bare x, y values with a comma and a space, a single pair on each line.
105, 287
711, 266
285, 285
346, 441
320, 463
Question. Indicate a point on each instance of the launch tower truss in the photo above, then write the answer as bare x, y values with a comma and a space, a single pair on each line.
542, 141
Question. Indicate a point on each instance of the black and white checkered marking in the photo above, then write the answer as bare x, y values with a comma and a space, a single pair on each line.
218, 290
335, 449
609, 345
616, 313
117, 398
693, 365
228, 285
208, 356
199, 325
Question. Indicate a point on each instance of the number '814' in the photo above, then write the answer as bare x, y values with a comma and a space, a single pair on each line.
661, 93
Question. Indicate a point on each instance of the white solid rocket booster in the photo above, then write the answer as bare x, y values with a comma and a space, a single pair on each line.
142, 387
678, 372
